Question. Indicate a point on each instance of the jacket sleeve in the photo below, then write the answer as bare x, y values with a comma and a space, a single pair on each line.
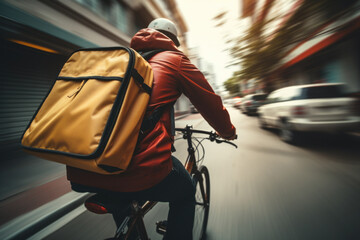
198, 90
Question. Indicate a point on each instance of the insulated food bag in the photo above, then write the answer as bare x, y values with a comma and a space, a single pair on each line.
92, 115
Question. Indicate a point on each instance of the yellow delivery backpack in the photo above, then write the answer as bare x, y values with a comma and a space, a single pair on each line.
92, 115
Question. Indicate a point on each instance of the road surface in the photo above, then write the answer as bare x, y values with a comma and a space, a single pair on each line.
264, 189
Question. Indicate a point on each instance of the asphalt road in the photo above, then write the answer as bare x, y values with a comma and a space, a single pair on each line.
264, 189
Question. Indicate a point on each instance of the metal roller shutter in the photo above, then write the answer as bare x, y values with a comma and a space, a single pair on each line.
26, 75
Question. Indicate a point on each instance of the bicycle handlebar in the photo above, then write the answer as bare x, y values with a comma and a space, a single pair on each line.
212, 135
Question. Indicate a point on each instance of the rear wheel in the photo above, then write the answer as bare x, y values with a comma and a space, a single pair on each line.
262, 122
202, 198
286, 133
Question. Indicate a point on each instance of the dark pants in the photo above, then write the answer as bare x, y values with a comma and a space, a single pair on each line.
177, 189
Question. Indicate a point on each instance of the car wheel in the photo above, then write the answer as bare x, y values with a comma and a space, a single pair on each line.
262, 123
286, 133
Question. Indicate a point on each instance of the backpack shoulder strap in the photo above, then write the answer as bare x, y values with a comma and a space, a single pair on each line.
146, 55
149, 54
150, 121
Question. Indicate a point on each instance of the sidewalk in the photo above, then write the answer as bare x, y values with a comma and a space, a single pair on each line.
33, 198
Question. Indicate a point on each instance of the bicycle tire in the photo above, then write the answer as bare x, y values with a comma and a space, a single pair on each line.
202, 206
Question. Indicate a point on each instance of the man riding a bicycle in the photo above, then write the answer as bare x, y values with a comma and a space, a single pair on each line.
154, 174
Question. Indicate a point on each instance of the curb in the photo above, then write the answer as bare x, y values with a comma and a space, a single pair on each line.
30, 223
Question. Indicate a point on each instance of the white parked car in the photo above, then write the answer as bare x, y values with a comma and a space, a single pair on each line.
250, 103
309, 108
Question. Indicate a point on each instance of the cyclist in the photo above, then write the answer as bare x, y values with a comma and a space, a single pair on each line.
153, 173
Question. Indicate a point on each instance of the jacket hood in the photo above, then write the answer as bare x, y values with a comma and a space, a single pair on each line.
147, 39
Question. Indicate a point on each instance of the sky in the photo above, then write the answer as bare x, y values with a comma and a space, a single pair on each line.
209, 39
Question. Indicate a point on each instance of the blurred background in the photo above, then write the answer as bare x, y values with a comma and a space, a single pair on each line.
246, 49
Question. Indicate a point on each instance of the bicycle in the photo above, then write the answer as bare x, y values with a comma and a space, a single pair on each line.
133, 227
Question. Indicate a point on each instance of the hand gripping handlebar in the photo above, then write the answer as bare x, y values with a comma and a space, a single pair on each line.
212, 136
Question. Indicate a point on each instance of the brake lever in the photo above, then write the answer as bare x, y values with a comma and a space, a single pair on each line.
225, 141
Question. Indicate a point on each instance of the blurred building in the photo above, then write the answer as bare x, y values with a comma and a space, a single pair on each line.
206, 67
37, 36
327, 51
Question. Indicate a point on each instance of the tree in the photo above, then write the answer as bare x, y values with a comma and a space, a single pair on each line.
259, 53
232, 86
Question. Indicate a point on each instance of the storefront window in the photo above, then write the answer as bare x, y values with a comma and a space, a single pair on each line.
120, 19
332, 72
91, 4
112, 11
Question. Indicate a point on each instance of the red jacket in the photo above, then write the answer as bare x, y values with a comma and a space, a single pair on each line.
174, 75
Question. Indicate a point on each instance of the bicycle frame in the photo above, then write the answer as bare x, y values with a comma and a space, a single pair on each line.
138, 212
135, 220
